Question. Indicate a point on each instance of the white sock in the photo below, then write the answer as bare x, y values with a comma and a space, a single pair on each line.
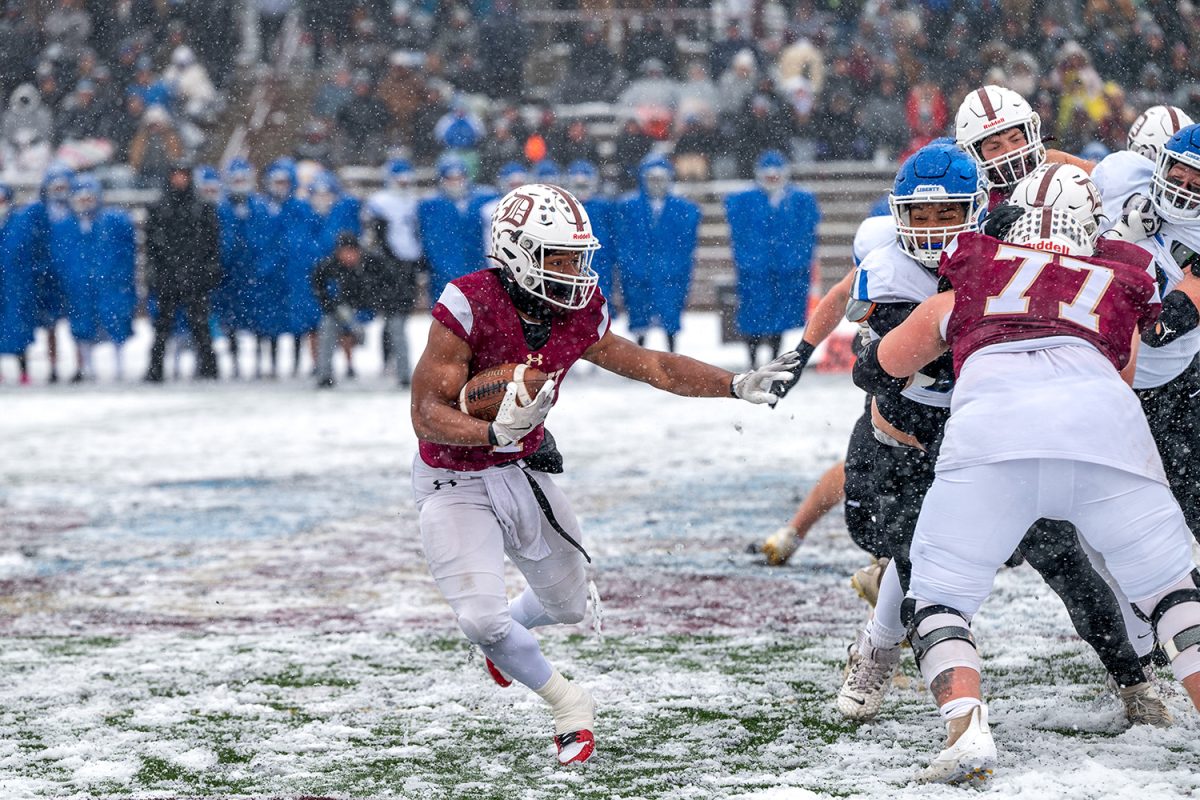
885, 627
572, 706
85, 358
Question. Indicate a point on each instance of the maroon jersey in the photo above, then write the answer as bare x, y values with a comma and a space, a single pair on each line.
478, 310
1008, 293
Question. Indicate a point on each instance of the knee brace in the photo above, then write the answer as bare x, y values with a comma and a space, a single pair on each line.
1175, 617
940, 637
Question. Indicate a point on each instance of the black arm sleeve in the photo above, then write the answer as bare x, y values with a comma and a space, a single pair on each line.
889, 315
871, 377
1179, 316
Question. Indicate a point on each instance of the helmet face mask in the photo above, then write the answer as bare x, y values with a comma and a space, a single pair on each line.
542, 237
1175, 187
936, 196
987, 127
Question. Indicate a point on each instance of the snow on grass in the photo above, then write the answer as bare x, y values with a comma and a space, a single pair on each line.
218, 591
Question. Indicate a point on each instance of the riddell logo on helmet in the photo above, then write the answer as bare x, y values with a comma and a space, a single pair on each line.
993, 123
1053, 247
581, 236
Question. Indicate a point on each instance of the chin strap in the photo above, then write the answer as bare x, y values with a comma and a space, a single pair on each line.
525, 302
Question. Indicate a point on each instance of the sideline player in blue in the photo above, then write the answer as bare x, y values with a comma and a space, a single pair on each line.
583, 178
656, 241
452, 225
16, 284
773, 228
93, 253
232, 300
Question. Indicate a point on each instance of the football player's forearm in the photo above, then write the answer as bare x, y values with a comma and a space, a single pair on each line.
1179, 316
682, 375
437, 422
828, 313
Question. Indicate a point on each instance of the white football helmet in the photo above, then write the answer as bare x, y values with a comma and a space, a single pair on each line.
1151, 130
989, 111
1053, 229
1062, 186
536, 218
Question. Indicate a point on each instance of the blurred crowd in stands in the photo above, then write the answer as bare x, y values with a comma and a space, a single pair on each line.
141, 82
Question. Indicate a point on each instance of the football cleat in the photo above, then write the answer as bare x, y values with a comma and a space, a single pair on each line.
869, 674
970, 760
780, 545
1143, 706
575, 747
867, 580
502, 680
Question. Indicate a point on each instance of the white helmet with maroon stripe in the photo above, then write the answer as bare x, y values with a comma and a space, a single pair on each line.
536, 219
991, 110
1150, 131
1062, 186
1053, 229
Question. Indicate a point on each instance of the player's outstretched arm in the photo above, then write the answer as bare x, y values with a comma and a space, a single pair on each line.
828, 313
1061, 157
437, 378
686, 376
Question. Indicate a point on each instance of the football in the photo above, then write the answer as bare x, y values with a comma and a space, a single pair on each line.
483, 393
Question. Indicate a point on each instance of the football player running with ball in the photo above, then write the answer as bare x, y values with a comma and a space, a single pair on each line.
483, 490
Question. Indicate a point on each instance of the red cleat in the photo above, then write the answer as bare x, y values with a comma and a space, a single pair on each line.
502, 680
575, 747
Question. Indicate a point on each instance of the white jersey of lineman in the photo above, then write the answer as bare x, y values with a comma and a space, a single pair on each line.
1117, 177
889, 275
1008, 405
399, 211
873, 232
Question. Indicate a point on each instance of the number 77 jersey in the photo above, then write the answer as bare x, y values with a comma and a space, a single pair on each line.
1005, 293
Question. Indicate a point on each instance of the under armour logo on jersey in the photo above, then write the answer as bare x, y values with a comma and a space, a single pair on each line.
438, 484
534, 360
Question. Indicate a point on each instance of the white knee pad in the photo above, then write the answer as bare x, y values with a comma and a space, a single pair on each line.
941, 639
1175, 615
485, 623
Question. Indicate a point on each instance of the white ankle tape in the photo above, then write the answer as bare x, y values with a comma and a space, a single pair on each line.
572, 706
959, 707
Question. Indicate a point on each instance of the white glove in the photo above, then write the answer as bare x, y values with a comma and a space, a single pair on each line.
780, 545
1138, 221
514, 421
755, 386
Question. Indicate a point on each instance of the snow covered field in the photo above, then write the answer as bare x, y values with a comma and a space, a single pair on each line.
219, 591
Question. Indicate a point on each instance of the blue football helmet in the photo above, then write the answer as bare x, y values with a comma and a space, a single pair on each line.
239, 177
208, 183
937, 173
56, 183
1177, 198
583, 179
546, 171
280, 178
511, 175
85, 194
398, 173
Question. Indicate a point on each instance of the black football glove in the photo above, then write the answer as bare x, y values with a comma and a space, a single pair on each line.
1000, 219
781, 388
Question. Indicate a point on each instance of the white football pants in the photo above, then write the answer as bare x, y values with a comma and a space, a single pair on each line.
465, 543
974, 517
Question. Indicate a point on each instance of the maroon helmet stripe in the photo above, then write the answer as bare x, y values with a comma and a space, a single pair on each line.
1175, 126
987, 103
1044, 186
570, 201
1047, 213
